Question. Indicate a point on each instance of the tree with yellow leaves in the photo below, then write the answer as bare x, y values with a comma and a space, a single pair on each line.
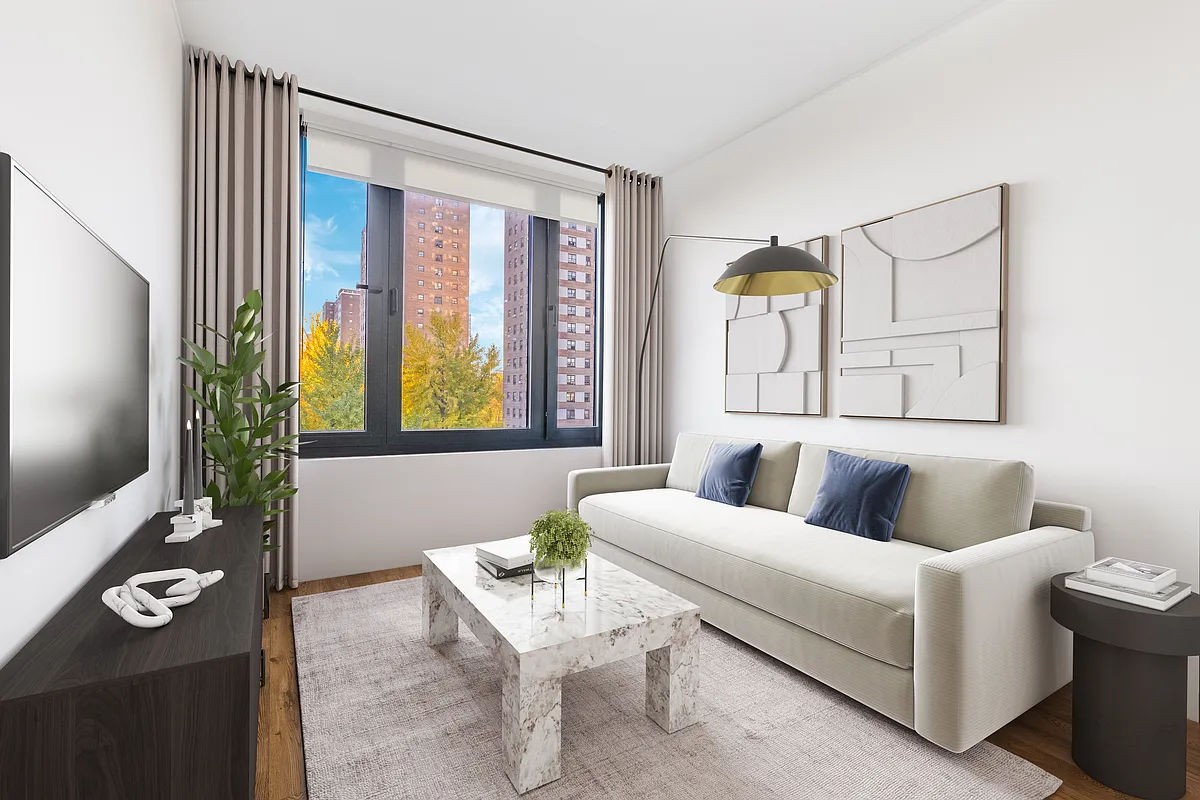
332, 380
449, 380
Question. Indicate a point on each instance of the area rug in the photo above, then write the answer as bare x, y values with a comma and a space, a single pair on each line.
387, 716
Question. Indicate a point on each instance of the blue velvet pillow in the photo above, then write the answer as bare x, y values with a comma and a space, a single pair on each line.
861, 496
729, 473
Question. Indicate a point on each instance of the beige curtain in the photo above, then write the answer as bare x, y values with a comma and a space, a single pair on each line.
242, 222
633, 221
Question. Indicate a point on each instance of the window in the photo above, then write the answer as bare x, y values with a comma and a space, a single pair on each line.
335, 318
510, 359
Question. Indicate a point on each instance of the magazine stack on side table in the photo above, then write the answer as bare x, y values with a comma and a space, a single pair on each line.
506, 558
1146, 585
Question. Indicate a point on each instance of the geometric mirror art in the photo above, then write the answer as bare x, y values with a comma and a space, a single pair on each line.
923, 312
775, 349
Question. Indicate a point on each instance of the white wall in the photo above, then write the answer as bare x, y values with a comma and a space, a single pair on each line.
363, 514
1091, 112
91, 103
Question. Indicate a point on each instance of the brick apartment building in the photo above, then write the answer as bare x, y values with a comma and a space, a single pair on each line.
437, 244
516, 319
576, 383
576, 356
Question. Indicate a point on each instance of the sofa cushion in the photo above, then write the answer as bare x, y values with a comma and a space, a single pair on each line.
855, 591
772, 484
950, 503
729, 473
859, 496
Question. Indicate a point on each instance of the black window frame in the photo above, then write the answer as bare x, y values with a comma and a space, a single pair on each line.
384, 434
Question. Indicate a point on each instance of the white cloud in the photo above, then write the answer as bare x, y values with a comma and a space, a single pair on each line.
487, 319
320, 260
484, 277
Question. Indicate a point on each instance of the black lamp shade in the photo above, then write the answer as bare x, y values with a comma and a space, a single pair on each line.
775, 270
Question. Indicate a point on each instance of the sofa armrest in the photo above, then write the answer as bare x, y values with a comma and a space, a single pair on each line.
1062, 515
583, 482
985, 647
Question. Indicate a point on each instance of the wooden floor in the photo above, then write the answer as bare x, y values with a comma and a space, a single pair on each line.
1042, 735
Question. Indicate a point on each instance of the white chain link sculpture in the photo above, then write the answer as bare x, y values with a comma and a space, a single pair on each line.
141, 609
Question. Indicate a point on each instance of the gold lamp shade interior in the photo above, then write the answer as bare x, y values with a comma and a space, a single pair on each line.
775, 270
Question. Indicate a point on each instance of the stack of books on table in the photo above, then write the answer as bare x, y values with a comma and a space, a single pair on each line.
1146, 585
506, 558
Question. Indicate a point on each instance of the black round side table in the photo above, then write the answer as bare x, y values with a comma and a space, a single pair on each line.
1129, 691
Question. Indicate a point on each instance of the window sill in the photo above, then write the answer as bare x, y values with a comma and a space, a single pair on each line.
326, 450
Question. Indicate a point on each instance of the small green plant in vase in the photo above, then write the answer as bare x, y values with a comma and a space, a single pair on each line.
559, 542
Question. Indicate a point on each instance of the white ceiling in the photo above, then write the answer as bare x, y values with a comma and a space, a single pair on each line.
648, 84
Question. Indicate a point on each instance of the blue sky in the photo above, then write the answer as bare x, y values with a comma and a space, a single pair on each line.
335, 211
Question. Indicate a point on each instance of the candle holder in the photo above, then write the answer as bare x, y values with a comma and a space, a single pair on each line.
195, 512
189, 526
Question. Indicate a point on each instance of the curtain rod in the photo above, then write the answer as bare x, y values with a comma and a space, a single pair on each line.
447, 129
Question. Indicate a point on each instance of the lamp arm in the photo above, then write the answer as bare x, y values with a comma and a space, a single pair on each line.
637, 400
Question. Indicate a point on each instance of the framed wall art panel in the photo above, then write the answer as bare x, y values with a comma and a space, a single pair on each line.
775, 349
923, 312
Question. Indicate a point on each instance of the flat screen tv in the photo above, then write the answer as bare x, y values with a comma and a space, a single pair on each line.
74, 364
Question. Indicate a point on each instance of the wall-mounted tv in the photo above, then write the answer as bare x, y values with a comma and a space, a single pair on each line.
74, 364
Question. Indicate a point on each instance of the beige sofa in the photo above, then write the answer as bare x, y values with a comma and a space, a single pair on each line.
945, 629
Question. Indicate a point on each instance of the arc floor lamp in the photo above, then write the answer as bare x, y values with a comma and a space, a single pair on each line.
763, 272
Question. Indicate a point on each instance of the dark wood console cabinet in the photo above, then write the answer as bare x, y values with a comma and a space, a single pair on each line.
95, 709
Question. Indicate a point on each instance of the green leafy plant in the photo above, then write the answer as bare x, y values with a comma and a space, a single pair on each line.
560, 537
242, 441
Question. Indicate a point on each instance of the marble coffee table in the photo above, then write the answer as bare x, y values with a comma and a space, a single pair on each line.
539, 642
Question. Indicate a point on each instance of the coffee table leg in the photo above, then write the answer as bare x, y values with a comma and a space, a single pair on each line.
438, 619
672, 678
531, 726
